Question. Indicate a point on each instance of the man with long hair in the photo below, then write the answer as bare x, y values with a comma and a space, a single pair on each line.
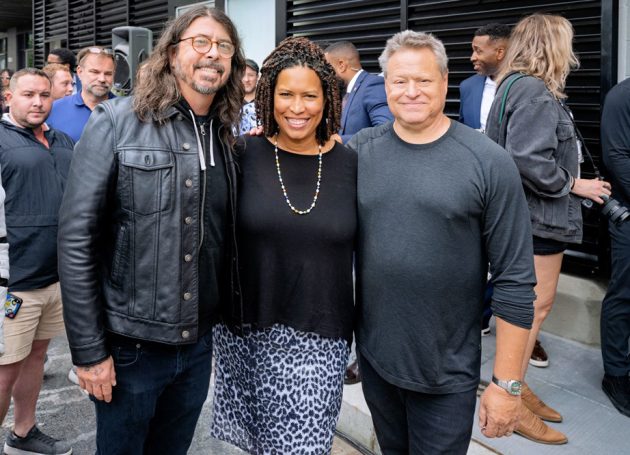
147, 234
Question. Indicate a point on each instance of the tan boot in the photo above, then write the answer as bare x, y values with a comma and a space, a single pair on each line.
537, 406
531, 427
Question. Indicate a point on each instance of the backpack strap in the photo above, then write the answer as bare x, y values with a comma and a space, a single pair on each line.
505, 95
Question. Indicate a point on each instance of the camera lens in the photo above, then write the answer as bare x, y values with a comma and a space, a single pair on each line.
616, 212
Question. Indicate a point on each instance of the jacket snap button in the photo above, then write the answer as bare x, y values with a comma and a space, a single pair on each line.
188, 183
147, 159
185, 334
188, 258
187, 296
186, 146
188, 220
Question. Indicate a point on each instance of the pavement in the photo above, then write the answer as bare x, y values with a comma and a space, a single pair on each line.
571, 384
65, 412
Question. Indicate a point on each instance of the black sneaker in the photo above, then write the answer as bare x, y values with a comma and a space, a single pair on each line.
35, 443
617, 389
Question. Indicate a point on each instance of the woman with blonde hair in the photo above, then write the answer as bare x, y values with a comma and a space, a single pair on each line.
530, 119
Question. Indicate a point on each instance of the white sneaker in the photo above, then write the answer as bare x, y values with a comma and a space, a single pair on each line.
72, 375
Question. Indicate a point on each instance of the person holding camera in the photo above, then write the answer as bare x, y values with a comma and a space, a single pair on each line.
530, 119
615, 318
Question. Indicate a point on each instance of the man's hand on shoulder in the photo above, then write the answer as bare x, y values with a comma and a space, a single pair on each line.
256, 131
499, 412
98, 380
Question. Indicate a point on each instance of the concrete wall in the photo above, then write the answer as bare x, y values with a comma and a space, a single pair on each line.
256, 24
577, 309
12, 48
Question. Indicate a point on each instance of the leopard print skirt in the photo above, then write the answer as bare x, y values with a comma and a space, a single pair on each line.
277, 390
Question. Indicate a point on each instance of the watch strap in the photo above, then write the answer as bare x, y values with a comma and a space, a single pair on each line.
511, 386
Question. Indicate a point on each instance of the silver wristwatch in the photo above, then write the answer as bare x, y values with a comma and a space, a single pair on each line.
511, 386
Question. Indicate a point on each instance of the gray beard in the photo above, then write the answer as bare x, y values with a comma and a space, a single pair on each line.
204, 90
179, 74
94, 93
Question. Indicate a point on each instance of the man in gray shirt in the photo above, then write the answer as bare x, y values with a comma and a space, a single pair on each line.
437, 202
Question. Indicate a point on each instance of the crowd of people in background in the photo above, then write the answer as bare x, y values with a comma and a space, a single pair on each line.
267, 216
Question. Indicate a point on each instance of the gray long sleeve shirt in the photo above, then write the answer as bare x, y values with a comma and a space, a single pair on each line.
431, 218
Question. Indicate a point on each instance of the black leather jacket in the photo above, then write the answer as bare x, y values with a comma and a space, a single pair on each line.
129, 231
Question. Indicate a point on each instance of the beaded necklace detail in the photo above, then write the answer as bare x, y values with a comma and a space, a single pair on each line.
284, 190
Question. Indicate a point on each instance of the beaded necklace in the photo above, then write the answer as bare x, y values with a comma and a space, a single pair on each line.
284, 190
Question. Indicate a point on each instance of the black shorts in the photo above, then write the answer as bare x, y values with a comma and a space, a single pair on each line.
546, 247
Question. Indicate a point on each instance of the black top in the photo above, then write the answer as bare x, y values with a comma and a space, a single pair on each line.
297, 269
213, 216
34, 178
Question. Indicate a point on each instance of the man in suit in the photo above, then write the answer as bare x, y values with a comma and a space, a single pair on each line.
477, 92
66, 57
364, 103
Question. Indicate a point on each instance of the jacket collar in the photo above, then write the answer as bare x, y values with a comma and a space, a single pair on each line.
10, 124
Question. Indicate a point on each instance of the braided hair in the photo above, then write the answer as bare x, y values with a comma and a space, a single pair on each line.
290, 53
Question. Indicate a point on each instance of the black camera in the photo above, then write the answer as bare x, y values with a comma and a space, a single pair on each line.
612, 209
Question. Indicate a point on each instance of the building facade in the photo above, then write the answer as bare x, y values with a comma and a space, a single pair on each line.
602, 41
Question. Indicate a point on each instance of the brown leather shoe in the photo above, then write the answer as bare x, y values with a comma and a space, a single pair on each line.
353, 375
538, 406
531, 427
539, 357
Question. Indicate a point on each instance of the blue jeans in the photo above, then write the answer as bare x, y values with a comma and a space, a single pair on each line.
414, 423
157, 400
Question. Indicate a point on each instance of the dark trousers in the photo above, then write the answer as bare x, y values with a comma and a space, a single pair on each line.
615, 319
408, 422
157, 400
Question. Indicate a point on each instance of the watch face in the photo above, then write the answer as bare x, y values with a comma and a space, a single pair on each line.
515, 387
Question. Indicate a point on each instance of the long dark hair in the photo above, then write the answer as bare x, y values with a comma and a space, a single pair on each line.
298, 52
157, 88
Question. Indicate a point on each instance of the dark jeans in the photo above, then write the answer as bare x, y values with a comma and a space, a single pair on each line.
408, 422
157, 400
615, 319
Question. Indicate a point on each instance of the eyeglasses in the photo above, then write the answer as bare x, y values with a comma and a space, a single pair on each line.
202, 45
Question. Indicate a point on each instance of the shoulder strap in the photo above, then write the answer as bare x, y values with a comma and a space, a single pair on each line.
505, 95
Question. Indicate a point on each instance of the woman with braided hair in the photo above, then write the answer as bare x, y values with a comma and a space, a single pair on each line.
281, 357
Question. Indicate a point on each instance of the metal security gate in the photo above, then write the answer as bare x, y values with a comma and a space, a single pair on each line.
369, 23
